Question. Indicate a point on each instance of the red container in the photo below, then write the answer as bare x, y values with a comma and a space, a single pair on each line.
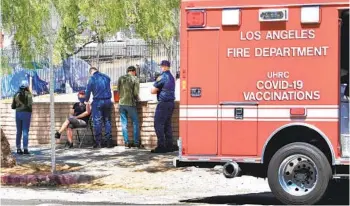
116, 96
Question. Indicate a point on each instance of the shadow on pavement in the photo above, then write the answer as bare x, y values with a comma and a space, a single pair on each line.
265, 198
99, 158
53, 202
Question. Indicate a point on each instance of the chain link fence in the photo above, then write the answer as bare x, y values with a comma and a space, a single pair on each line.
112, 58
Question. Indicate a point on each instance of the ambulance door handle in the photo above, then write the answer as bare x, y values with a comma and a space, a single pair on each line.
239, 113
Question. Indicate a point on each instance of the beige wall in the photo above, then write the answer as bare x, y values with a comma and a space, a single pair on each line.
40, 124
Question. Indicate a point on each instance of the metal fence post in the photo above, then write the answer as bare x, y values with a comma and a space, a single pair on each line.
54, 24
52, 113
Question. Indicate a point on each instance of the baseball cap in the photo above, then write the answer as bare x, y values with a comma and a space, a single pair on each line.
165, 63
24, 84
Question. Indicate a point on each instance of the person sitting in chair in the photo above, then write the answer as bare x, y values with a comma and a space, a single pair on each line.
79, 118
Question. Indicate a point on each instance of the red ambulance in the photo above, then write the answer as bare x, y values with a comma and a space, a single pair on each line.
262, 92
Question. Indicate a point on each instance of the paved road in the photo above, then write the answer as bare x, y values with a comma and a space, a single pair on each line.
51, 197
53, 202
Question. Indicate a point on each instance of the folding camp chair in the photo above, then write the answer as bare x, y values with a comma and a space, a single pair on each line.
81, 132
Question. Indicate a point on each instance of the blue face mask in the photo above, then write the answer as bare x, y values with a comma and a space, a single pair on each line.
81, 100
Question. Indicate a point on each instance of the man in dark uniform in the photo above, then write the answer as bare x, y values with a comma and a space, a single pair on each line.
164, 87
99, 86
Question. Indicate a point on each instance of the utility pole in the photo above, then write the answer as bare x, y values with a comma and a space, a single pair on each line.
1, 45
54, 21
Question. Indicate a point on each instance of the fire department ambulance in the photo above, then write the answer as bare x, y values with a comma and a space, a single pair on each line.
262, 92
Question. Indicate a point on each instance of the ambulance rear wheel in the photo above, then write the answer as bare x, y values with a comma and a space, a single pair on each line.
299, 173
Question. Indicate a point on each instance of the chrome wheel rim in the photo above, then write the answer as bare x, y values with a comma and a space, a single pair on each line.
297, 175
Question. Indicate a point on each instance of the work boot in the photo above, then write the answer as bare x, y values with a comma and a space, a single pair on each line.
159, 150
19, 151
138, 146
110, 143
173, 148
57, 135
128, 145
97, 146
104, 143
26, 152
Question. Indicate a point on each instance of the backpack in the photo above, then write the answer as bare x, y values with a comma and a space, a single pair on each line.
21, 97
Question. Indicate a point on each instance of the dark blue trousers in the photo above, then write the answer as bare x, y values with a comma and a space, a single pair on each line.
22, 125
101, 113
162, 123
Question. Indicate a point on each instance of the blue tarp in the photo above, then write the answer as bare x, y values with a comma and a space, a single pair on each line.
74, 71
40, 87
11, 83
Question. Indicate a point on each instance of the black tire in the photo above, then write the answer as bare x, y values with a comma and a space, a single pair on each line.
323, 176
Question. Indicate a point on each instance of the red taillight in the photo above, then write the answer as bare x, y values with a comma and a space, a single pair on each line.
299, 112
196, 18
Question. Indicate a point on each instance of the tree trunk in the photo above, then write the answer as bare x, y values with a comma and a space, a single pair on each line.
7, 160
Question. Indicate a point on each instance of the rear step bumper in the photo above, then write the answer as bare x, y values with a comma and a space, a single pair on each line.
341, 176
180, 162
176, 162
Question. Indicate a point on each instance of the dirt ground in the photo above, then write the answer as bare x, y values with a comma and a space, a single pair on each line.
137, 176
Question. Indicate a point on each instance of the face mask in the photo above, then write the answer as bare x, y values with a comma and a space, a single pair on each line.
81, 100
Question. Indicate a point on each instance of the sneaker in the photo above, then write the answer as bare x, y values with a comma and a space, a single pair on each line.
159, 150
57, 135
19, 151
26, 152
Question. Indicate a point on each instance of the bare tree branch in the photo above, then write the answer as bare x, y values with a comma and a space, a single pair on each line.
81, 48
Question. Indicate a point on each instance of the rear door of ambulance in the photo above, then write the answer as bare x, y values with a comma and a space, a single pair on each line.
202, 87
238, 115
219, 121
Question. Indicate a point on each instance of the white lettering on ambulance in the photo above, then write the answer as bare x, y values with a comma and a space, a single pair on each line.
290, 34
281, 75
250, 35
281, 95
238, 52
282, 89
291, 51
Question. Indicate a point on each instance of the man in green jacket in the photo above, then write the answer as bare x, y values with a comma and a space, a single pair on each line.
128, 88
